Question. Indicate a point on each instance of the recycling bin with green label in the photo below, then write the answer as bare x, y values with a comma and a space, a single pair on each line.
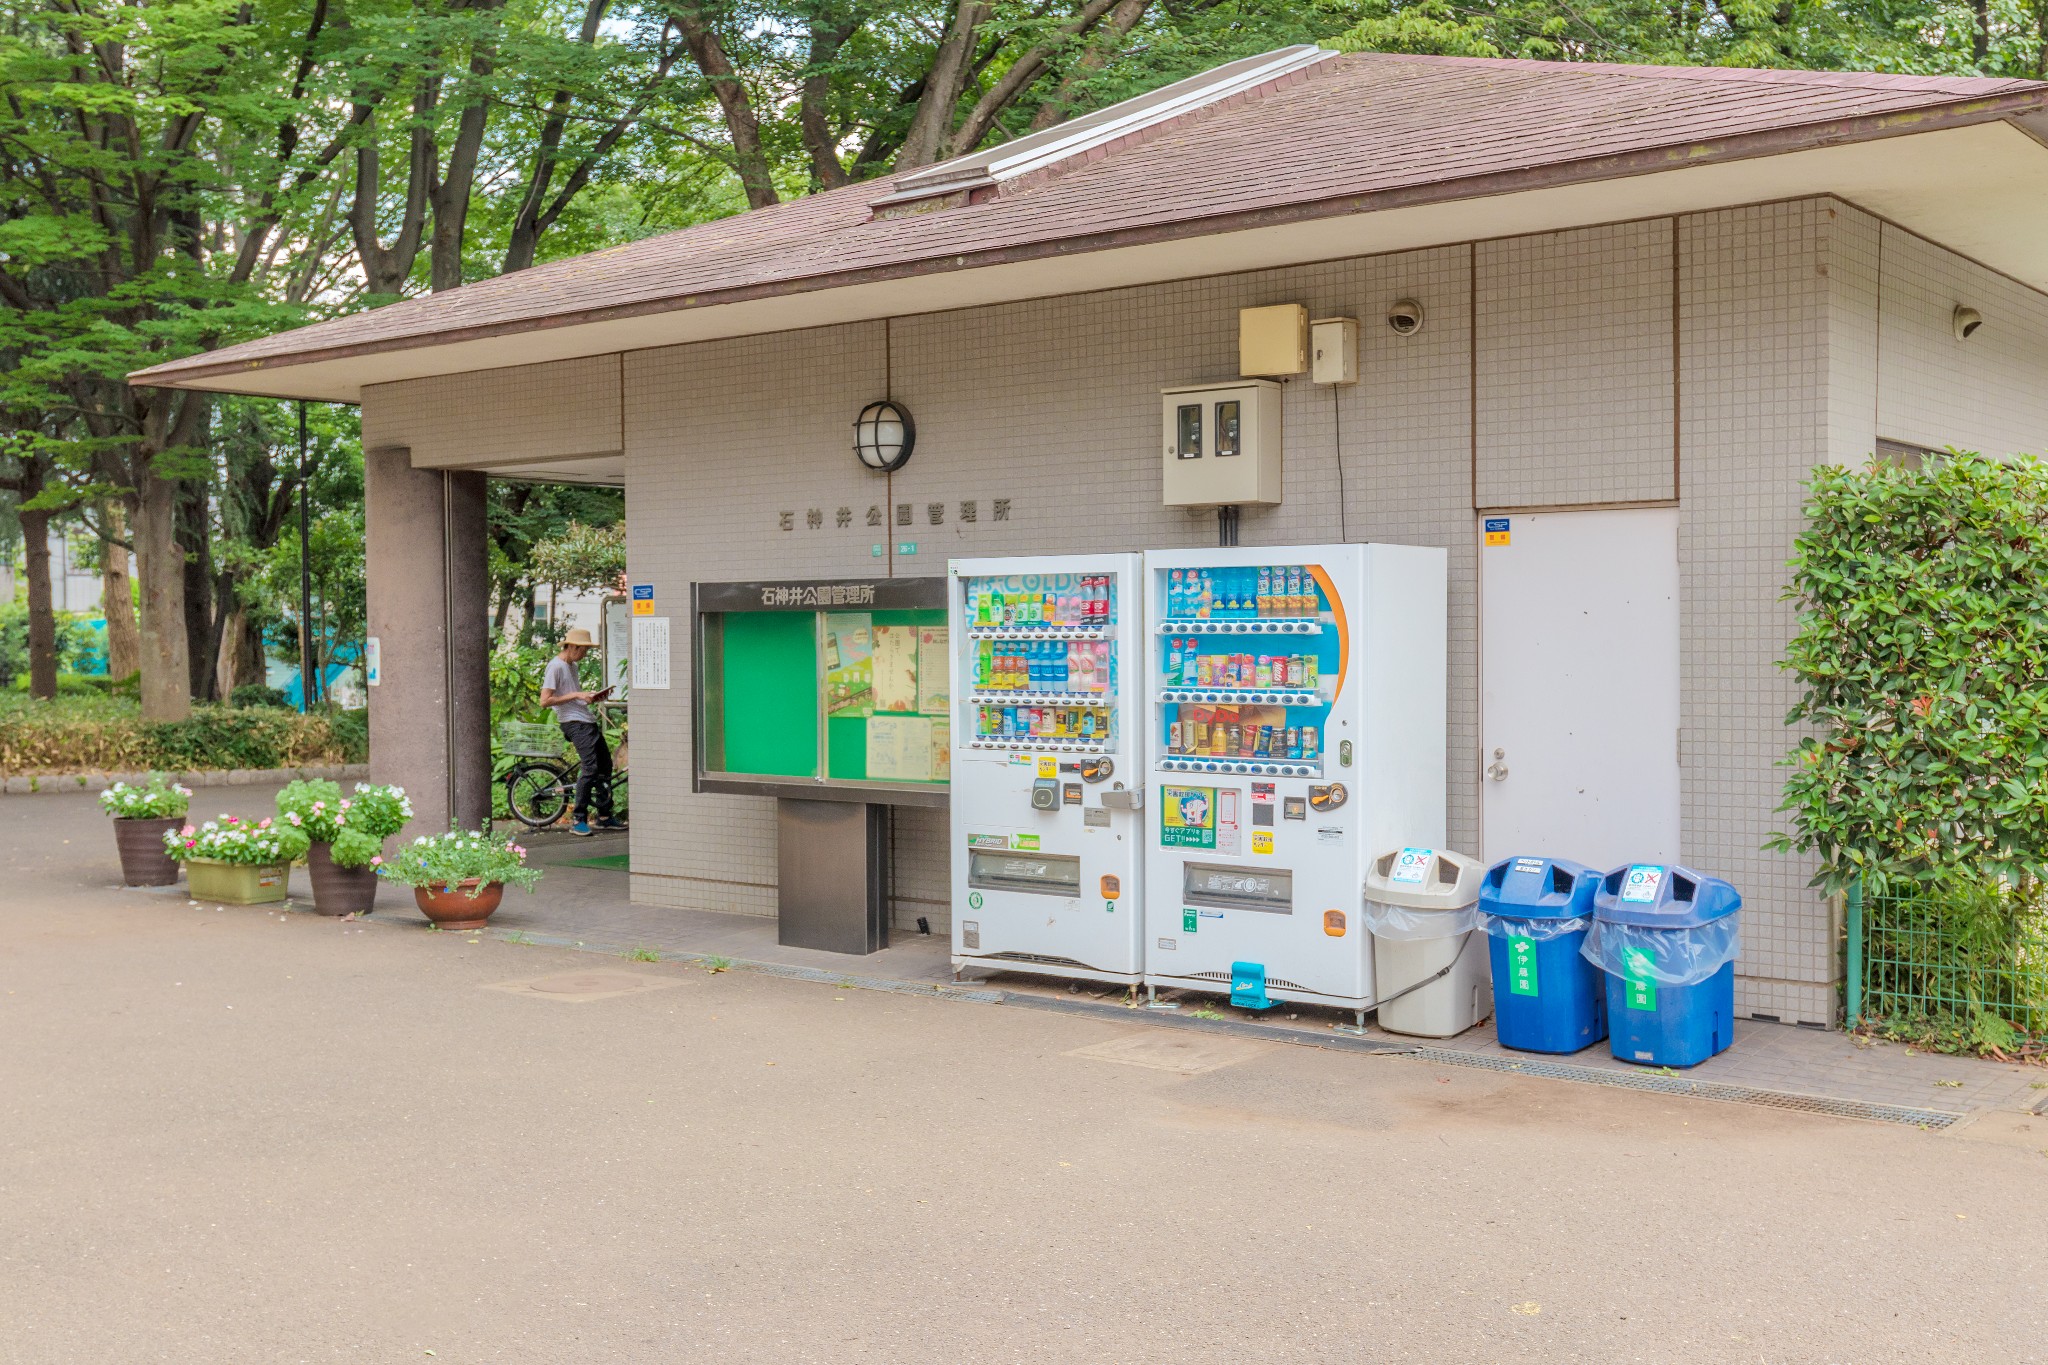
1536, 913
1667, 939
1429, 973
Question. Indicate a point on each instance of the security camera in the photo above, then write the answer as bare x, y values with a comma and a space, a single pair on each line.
1966, 321
1405, 318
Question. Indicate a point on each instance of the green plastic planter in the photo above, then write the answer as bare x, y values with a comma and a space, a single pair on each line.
234, 883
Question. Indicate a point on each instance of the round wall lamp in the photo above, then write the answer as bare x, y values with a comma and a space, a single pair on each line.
1965, 321
884, 436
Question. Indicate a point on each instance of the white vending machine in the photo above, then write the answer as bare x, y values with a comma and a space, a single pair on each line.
1297, 718
1048, 766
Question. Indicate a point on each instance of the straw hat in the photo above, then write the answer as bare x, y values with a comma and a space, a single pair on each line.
578, 636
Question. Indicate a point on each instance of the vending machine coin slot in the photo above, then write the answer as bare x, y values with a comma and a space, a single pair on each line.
1328, 798
1045, 793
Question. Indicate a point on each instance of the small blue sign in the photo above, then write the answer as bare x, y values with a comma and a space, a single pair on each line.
643, 592
1492, 524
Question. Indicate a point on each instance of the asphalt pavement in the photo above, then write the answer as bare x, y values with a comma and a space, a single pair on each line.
241, 1135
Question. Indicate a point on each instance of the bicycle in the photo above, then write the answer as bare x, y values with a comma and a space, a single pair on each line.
538, 792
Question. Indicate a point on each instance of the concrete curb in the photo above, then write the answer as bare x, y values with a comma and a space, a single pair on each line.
45, 784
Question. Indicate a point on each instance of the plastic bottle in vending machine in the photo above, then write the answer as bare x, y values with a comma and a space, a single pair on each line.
1205, 595
1100, 601
1105, 667
1264, 599
1174, 676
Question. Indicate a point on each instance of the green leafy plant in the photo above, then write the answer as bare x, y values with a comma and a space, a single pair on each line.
155, 798
1923, 649
460, 860
231, 839
353, 827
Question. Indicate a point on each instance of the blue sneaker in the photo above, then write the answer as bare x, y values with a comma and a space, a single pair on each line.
581, 829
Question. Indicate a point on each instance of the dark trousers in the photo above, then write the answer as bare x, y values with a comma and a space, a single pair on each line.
596, 775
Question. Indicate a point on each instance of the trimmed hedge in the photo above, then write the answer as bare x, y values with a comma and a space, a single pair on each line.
107, 734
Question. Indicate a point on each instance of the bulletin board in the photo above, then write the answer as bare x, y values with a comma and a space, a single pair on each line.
823, 689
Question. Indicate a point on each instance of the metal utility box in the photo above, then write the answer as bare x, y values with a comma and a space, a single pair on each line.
1222, 444
1334, 342
1272, 340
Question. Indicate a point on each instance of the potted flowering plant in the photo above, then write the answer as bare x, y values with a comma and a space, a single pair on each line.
348, 834
459, 877
232, 860
142, 812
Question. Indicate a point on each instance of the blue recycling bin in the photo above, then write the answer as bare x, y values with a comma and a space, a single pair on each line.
1546, 996
1667, 938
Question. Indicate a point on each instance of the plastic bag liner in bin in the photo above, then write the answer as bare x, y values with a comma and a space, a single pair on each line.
1681, 957
1415, 894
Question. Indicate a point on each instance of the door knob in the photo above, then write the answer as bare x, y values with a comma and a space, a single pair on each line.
1498, 770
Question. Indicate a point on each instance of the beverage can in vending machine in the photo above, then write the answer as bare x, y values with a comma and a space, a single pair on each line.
1265, 749
1262, 672
1293, 741
1309, 741
1309, 670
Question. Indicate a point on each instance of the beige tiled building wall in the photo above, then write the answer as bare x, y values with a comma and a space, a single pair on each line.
523, 415
1574, 367
1728, 351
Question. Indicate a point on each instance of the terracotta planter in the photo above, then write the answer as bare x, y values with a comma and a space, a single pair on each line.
451, 906
339, 890
235, 883
141, 841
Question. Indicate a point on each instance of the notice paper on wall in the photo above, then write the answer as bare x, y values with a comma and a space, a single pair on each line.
942, 749
650, 653
932, 685
618, 646
900, 748
849, 663
896, 660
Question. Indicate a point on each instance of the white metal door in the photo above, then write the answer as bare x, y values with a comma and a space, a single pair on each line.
1579, 685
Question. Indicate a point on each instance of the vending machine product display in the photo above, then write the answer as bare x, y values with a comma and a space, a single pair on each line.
1048, 773
1296, 723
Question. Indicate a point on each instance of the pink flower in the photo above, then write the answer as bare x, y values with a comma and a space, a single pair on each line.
265, 824
377, 861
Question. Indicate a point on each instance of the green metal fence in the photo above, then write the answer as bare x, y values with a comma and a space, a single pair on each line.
1954, 957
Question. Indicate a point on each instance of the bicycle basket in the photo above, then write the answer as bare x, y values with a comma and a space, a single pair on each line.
530, 738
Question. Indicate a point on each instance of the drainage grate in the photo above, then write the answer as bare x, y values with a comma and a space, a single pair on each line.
1693, 1089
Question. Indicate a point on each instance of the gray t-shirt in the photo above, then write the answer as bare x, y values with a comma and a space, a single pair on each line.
561, 677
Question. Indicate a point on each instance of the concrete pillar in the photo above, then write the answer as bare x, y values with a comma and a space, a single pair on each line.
429, 609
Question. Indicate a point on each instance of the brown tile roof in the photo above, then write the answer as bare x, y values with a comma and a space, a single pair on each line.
1350, 134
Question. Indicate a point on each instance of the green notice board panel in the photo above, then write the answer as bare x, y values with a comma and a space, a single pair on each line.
770, 682
846, 736
824, 689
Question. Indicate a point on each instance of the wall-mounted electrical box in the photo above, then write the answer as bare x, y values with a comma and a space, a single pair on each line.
1272, 340
1334, 346
1222, 444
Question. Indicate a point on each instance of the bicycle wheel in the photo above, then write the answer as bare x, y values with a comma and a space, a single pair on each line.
537, 793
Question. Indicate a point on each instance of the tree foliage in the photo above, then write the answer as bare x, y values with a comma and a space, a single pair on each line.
1923, 650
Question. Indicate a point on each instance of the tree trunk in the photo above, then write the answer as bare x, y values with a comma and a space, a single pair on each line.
246, 659
160, 565
42, 616
192, 532
951, 66
117, 598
